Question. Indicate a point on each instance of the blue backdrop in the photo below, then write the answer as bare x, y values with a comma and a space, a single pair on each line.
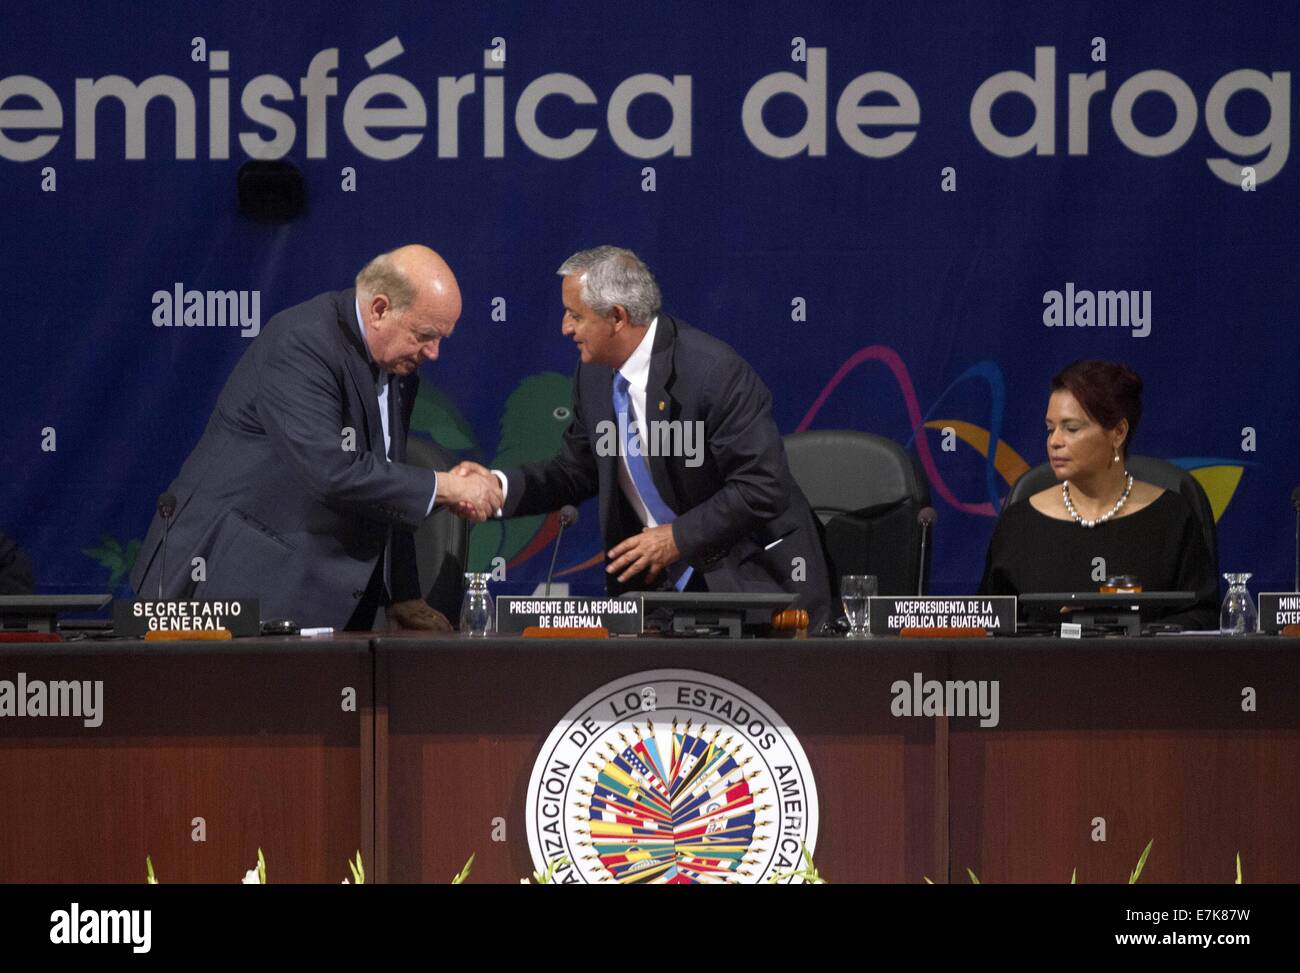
900, 292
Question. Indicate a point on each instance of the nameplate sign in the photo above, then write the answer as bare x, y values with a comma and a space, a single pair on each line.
1277, 609
622, 616
890, 614
137, 618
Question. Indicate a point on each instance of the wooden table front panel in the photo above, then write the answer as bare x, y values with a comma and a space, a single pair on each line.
250, 736
1149, 736
465, 722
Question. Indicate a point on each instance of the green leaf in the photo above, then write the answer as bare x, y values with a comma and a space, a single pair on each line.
358, 871
974, 879
1137, 872
1074, 875
551, 868
464, 872
808, 873
1238, 882
150, 878
928, 880
261, 867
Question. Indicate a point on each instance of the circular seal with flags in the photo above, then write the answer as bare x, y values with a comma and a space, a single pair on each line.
671, 777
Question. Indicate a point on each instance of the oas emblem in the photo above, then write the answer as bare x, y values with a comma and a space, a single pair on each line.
671, 777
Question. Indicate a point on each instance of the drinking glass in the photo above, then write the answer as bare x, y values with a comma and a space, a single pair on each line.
1239, 616
476, 614
855, 589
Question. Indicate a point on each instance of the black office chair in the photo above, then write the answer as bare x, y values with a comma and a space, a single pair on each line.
1149, 468
442, 541
866, 491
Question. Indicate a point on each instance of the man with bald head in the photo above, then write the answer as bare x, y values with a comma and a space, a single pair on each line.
298, 494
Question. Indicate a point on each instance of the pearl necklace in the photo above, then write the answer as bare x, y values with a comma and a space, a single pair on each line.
1119, 504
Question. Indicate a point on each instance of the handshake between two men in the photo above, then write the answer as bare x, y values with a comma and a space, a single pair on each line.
476, 494
472, 492
672, 431
710, 505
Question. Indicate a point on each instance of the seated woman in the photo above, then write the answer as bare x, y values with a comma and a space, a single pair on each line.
1051, 541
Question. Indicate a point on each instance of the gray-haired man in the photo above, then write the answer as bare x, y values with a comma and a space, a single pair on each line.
718, 511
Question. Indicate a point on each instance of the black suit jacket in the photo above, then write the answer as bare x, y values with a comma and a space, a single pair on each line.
270, 497
741, 520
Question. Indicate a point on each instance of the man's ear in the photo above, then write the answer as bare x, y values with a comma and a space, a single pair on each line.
379, 306
620, 318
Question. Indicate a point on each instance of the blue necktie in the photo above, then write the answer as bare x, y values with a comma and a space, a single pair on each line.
639, 467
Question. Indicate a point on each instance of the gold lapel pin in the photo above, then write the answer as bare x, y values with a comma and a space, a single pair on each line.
661, 405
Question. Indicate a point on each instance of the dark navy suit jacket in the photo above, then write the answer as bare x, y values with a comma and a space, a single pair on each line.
741, 520
270, 498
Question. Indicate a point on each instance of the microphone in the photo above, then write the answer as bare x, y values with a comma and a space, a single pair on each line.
166, 507
926, 518
1295, 502
568, 517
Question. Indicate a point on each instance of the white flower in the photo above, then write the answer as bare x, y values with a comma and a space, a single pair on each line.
251, 878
